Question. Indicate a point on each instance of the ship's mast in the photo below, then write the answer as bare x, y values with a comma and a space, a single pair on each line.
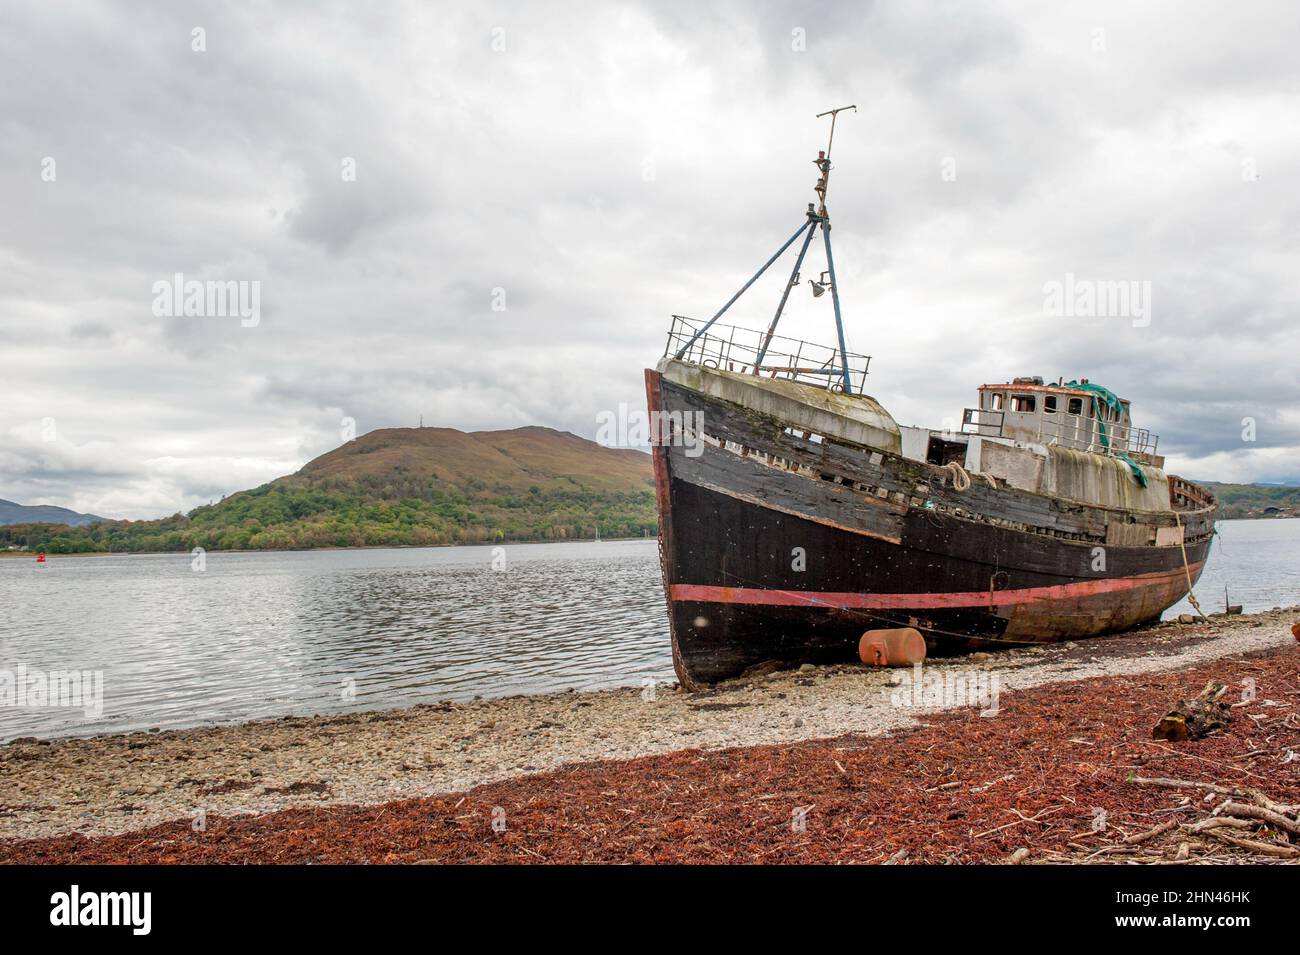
815, 216
823, 160
824, 164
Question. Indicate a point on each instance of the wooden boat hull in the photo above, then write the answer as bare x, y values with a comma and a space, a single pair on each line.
775, 548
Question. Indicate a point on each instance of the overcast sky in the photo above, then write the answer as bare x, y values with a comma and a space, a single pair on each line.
605, 166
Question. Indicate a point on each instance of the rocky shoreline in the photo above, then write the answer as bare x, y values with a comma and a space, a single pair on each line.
117, 784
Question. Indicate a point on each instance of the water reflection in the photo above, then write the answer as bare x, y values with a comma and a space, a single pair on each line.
322, 631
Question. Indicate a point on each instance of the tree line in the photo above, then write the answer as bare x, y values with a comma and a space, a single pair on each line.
358, 512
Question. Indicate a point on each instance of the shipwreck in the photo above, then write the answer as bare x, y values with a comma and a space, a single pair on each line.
796, 514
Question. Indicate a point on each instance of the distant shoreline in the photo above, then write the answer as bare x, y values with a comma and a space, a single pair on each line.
50, 555
31, 554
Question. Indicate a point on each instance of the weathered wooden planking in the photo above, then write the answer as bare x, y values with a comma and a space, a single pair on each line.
907, 479
900, 476
918, 530
797, 495
1121, 534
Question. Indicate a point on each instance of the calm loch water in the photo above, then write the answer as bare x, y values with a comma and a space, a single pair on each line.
267, 634
1257, 561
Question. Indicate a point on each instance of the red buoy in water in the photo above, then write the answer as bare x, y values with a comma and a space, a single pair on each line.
40, 558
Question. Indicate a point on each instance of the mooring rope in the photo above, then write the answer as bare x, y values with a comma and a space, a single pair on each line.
960, 479
1182, 544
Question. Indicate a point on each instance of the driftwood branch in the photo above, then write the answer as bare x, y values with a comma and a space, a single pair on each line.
1188, 784
1151, 833
1219, 822
1276, 819
1263, 848
1245, 812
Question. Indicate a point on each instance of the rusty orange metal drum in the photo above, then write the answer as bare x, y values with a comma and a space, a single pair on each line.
900, 647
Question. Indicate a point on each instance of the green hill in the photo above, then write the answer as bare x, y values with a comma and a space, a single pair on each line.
1255, 500
401, 486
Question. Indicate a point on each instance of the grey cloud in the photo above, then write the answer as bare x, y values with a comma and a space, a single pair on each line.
613, 165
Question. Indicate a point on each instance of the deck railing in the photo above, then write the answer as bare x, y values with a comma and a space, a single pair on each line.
1078, 432
1186, 496
732, 348
1083, 433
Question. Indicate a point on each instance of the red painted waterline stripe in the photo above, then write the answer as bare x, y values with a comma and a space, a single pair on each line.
809, 598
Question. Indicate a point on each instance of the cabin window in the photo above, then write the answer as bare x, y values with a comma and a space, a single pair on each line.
1049, 404
995, 401
1075, 406
1023, 403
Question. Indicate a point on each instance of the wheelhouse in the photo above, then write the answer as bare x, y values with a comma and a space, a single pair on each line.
1075, 415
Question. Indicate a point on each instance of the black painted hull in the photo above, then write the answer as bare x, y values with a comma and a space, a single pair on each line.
763, 561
